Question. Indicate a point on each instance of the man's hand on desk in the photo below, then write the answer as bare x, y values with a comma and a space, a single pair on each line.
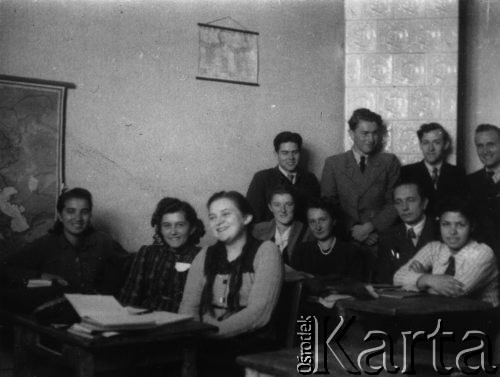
362, 232
444, 285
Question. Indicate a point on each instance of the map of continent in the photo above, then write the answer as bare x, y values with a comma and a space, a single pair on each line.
29, 167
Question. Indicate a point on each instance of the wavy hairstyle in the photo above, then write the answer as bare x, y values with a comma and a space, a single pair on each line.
173, 205
74, 193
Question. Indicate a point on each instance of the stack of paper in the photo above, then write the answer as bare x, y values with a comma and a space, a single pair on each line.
104, 313
37, 283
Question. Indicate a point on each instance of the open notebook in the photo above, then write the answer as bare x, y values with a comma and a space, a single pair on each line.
105, 313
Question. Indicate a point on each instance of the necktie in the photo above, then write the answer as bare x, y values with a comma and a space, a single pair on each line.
291, 177
435, 177
362, 164
410, 233
450, 270
490, 174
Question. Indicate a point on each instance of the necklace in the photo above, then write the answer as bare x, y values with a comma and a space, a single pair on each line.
327, 251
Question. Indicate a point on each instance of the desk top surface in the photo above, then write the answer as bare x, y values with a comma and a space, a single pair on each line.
418, 305
283, 363
172, 332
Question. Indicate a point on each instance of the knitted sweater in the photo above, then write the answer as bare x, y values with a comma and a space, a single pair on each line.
258, 294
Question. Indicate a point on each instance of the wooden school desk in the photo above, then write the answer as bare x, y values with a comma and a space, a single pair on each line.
422, 313
415, 306
169, 343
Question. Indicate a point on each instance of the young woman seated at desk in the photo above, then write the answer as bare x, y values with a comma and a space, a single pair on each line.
73, 254
158, 273
235, 283
286, 232
456, 266
327, 254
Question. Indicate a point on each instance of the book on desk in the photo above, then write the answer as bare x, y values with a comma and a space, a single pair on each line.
394, 291
101, 313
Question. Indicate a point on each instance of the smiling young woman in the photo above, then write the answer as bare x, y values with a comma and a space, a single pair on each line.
158, 273
235, 283
457, 265
73, 254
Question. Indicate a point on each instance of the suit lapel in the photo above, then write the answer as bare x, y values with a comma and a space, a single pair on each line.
271, 230
351, 168
373, 170
295, 233
427, 235
427, 179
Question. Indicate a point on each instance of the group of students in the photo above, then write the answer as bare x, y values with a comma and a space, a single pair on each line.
282, 227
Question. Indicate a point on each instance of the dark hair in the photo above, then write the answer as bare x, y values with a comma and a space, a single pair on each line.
212, 259
287, 137
460, 204
74, 193
366, 115
282, 190
323, 203
238, 199
173, 205
410, 181
433, 126
487, 127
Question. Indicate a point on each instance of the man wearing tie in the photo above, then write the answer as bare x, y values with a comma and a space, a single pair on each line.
360, 181
484, 185
438, 178
287, 146
402, 241
457, 265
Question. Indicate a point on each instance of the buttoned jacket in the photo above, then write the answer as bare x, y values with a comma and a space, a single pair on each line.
364, 196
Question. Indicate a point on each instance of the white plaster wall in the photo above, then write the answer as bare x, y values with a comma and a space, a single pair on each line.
140, 127
480, 94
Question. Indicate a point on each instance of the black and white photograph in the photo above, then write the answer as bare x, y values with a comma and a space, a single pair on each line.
249, 188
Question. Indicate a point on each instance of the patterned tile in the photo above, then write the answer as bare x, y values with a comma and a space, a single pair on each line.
409, 9
401, 61
393, 103
361, 36
408, 69
377, 69
406, 158
442, 69
425, 103
449, 103
442, 8
353, 69
368, 9
425, 36
359, 97
404, 137
393, 36
449, 35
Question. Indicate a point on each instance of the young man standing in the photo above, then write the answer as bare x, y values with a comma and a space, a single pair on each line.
360, 181
287, 146
484, 185
402, 241
437, 178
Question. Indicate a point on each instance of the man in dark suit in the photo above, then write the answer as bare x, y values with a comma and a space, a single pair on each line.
484, 185
438, 178
287, 146
361, 180
401, 242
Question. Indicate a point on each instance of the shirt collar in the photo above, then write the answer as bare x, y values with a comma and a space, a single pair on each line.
417, 228
430, 167
357, 156
281, 239
286, 173
496, 173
